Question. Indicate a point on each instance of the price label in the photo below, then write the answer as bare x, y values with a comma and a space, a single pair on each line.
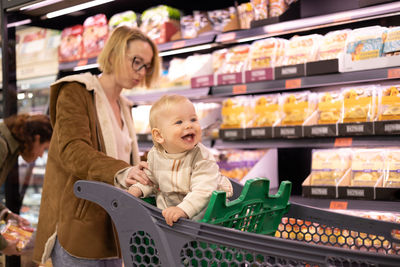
239, 89
338, 205
394, 73
343, 142
82, 62
293, 83
178, 44
228, 37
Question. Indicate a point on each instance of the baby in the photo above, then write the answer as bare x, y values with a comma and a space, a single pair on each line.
183, 171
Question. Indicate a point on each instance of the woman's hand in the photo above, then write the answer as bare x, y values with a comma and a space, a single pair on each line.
172, 214
11, 248
137, 174
21, 221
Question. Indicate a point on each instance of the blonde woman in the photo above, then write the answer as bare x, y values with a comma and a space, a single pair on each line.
94, 139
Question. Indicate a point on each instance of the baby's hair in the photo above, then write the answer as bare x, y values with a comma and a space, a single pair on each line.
162, 105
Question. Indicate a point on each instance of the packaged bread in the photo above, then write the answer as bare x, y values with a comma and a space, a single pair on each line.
389, 103
330, 107
276, 7
224, 20
359, 103
332, 44
302, 49
267, 110
127, 18
365, 43
95, 34
13, 232
391, 45
392, 168
218, 59
297, 107
367, 166
71, 44
266, 53
328, 166
246, 15
236, 112
194, 25
235, 59
260, 8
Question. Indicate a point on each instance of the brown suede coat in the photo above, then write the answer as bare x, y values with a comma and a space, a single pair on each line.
77, 152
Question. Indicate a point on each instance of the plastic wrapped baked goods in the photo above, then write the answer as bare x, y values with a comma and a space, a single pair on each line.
246, 15
127, 18
218, 59
161, 23
13, 232
224, 19
359, 103
392, 168
297, 107
302, 49
367, 166
95, 33
266, 53
267, 110
391, 45
389, 103
365, 43
71, 45
236, 112
332, 44
330, 107
328, 166
260, 9
235, 59
276, 7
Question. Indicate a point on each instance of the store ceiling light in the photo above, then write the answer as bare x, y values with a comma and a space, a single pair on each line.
39, 4
75, 8
19, 23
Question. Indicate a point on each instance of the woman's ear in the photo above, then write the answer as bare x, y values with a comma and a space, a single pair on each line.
157, 136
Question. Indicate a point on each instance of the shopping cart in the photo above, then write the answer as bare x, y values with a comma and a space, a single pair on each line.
305, 236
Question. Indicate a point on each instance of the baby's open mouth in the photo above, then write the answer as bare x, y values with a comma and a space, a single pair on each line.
188, 137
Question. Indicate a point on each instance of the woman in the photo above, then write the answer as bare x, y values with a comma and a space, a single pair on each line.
94, 140
20, 135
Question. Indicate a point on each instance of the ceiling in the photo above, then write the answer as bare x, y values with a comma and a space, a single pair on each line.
109, 9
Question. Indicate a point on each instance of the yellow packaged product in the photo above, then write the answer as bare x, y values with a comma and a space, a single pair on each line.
330, 107
218, 59
367, 167
365, 43
267, 110
328, 166
359, 104
266, 53
302, 49
392, 168
235, 59
13, 232
389, 103
236, 112
297, 107
332, 44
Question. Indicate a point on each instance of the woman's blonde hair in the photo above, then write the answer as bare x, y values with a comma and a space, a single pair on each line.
113, 54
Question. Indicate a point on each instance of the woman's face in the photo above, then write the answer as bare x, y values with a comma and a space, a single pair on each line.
139, 53
36, 151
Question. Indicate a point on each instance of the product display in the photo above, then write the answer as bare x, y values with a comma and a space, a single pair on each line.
267, 110
297, 107
71, 46
330, 107
389, 103
127, 18
95, 33
367, 167
359, 103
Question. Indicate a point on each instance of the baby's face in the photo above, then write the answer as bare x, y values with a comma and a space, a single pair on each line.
180, 128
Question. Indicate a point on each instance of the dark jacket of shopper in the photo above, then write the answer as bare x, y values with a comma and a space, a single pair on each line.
83, 228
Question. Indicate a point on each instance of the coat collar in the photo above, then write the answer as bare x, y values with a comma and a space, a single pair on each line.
12, 142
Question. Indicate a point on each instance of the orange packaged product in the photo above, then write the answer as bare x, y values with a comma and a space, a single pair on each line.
267, 111
330, 107
13, 232
389, 103
367, 167
235, 59
359, 104
302, 49
332, 44
297, 107
71, 44
266, 53
95, 33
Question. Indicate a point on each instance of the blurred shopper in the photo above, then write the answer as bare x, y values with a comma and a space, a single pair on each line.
94, 139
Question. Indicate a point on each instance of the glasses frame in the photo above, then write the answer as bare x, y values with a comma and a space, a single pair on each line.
149, 69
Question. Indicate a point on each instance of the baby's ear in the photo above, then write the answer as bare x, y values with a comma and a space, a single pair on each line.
156, 134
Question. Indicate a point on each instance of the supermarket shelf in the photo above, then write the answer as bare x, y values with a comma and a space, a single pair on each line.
308, 82
179, 45
312, 23
370, 205
89, 63
326, 142
149, 96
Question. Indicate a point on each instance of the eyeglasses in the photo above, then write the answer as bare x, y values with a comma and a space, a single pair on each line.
137, 65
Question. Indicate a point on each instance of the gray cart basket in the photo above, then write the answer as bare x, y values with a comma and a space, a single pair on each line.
306, 237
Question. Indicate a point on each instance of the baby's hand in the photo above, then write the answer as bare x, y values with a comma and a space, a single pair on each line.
172, 214
135, 191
